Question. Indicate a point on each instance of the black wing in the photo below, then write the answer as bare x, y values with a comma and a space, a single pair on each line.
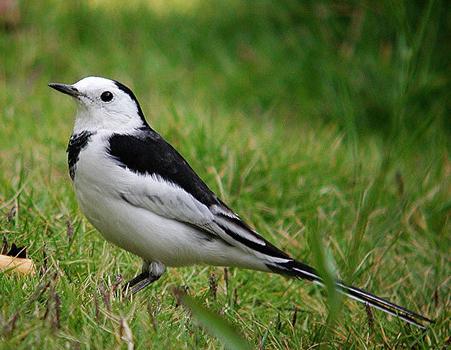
148, 153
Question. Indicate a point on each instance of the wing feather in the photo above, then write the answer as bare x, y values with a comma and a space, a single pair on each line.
166, 185
161, 197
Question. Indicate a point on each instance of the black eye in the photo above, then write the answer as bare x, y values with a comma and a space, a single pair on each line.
106, 96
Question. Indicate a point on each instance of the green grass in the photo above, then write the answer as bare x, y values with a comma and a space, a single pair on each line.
325, 125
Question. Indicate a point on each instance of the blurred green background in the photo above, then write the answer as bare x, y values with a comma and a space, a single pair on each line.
326, 119
304, 59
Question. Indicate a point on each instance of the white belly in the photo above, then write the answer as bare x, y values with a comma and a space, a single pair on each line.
139, 231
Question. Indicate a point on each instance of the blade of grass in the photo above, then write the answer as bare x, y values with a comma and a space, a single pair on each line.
324, 265
213, 323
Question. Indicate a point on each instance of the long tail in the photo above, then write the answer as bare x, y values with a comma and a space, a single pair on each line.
297, 269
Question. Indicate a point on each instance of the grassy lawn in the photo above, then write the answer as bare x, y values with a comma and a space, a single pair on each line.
320, 122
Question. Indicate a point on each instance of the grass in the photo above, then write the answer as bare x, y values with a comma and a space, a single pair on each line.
325, 125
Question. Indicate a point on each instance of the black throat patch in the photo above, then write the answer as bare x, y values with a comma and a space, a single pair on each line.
76, 143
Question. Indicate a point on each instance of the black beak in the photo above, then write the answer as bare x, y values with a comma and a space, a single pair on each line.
65, 89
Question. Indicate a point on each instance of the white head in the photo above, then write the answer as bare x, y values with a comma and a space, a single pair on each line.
103, 104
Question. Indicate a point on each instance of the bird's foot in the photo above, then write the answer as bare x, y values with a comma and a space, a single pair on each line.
150, 273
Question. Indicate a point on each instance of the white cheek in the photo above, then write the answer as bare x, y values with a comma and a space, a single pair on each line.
119, 115
121, 122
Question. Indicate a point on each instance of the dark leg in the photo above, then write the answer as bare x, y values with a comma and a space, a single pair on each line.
142, 276
150, 273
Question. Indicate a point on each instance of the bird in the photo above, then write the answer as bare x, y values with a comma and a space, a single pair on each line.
142, 195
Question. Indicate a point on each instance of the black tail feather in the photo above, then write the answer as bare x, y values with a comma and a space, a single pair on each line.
299, 270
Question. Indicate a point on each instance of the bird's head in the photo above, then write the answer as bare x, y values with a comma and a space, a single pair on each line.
103, 104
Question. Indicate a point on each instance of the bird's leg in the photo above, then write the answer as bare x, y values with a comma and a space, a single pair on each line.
150, 273
142, 276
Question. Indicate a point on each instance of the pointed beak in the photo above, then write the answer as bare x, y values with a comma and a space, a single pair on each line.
65, 89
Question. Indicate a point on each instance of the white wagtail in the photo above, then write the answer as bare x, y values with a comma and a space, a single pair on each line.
143, 196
